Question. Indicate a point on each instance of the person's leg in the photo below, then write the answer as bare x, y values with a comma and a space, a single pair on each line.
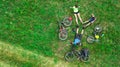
82, 32
76, 34
76, 18
86, 25
80, 18
86, 22
77, 30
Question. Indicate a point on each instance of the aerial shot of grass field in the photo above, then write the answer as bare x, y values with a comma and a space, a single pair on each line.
29, 33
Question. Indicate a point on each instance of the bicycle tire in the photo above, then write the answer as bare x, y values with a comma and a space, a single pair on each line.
84, 59
69, 56
98, 29
63, 35
90, 39
84, 55
67, 22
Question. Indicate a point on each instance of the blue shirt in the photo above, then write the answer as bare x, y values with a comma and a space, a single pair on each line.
76, 41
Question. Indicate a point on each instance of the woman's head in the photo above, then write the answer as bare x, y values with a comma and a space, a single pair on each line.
76, 6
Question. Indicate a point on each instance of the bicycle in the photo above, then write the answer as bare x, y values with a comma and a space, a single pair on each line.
96, 35
82, 55
62, 31
67, 21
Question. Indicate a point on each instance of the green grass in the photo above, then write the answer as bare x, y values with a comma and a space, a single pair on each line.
32, 26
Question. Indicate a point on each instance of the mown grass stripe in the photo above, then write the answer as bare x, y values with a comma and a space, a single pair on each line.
24, 56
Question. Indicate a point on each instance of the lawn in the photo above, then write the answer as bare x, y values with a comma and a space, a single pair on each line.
29, 33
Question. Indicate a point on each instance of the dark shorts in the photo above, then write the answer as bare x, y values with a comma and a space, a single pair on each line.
91, 19
76, 12
79, 36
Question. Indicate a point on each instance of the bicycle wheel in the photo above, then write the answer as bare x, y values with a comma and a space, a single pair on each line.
84, 59
63, 35
90, 39
98, 29
67, 22
78, 55
84, 55
69, 56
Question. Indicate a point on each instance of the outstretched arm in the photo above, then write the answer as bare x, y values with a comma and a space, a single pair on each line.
74, 6
71, 7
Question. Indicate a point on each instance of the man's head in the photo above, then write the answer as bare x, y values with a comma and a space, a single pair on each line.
93, 15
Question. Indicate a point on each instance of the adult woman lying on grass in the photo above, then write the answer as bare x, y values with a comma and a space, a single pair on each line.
90, 21
76, 13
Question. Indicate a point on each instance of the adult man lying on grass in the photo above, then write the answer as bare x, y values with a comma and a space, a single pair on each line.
78, 37
90, 21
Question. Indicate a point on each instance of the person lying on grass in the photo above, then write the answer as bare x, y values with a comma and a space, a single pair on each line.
76, 13
90, 21
78, 37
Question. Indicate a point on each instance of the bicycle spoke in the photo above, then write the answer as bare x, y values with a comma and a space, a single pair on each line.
90, 39
63, 35
67, 22
69, 56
